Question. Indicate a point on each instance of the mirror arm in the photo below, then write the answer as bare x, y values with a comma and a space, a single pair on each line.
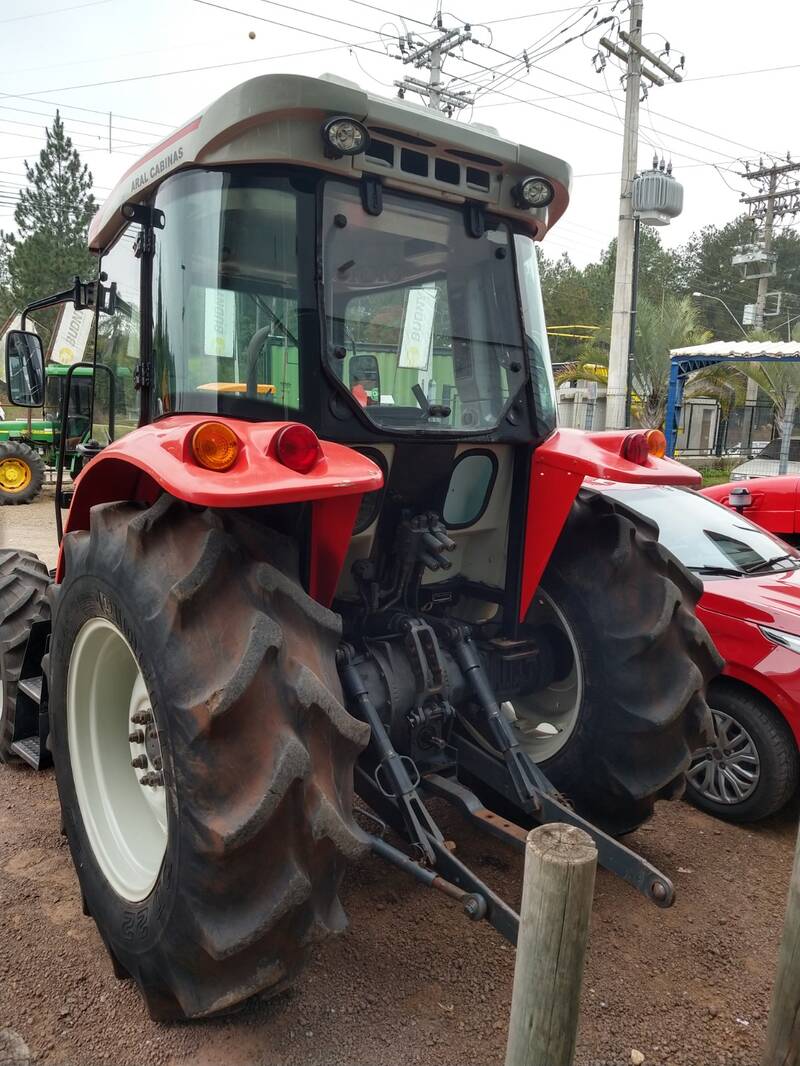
73, 294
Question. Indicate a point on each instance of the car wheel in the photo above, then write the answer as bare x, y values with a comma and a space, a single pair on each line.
751, 767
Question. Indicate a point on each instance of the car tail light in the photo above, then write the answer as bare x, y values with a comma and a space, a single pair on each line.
656, 443
635, 448
297, 447
215, 446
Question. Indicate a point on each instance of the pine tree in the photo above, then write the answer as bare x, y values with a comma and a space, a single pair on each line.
52, 217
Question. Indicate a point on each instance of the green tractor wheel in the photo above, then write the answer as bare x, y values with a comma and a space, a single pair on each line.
21, 473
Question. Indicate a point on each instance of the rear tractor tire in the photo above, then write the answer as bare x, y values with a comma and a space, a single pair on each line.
203, 756
24, 581
22, 473
616, 729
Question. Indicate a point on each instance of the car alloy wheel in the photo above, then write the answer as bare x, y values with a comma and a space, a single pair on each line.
727, 770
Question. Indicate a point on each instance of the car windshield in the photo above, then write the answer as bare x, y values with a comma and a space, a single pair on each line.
773, 450
423, 318
706, 536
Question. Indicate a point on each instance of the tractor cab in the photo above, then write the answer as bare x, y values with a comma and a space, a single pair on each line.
306, 252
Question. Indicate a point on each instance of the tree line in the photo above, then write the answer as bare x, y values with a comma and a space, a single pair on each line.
669, 316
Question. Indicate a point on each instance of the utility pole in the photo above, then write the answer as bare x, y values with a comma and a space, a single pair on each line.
616, 394
763, 282
617, 391
777, 197
431, 55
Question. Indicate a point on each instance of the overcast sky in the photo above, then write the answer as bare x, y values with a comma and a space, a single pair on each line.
120, 56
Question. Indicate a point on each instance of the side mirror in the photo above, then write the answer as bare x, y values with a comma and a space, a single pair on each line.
24, 368
740, 499
364, 375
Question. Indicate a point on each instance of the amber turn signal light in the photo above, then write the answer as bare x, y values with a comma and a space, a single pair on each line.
215, 446
656, 443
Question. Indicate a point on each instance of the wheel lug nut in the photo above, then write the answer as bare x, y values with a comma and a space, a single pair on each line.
142, 718
157, 763
139, 763
136, 737
151, 779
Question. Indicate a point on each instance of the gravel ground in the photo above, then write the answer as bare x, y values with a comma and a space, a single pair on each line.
411, 981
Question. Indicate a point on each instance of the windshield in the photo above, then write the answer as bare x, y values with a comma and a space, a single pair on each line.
773, 450
705, 535
423, 322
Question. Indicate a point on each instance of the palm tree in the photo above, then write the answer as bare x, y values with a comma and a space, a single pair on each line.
671, 323
780, 381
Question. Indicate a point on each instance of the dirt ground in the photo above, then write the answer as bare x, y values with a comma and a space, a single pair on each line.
411, 981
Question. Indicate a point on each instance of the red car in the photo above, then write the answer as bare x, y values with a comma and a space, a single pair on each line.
751, 607
771, 502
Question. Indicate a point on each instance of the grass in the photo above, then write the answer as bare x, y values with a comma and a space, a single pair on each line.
716, 475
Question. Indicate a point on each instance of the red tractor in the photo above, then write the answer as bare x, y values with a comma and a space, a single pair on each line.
337, 544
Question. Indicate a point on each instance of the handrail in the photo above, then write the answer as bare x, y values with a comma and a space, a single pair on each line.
62, 443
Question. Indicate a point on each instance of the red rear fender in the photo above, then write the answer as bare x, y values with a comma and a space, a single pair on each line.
557, 473
158, 458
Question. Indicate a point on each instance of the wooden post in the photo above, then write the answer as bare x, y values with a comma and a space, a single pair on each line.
783, 1028
560, 863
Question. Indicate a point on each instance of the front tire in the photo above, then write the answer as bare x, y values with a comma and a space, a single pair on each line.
236, 665
22, 473
642, 661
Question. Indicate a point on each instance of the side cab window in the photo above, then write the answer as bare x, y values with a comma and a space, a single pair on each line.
118, 340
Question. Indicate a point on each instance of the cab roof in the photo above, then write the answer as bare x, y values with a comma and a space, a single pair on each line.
277, 118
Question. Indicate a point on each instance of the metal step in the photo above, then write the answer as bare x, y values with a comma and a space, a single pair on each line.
29, 750
31, 686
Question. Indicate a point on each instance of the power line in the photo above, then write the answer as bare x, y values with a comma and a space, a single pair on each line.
658, 114
83, 133
55, 11
195, 70
284, 26
71, 119
394, 14
88, 110
743, 73
553, 11
311, 14
553, 93
556, 95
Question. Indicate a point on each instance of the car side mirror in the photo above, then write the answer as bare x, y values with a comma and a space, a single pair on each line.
24, 368
364, 374
740, 498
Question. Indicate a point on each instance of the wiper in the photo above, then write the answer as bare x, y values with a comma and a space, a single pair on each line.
765, 564
717, 571
429, 410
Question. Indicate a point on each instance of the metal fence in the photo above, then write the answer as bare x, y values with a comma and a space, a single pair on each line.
742, 433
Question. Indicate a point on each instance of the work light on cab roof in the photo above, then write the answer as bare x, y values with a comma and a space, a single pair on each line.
345, 136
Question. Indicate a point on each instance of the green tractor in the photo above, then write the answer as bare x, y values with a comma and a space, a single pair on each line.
29, 447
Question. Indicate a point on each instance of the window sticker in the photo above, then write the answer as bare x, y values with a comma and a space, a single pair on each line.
415, 349
220, 322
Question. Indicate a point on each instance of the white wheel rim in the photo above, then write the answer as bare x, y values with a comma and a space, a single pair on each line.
545, 720
125, 820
